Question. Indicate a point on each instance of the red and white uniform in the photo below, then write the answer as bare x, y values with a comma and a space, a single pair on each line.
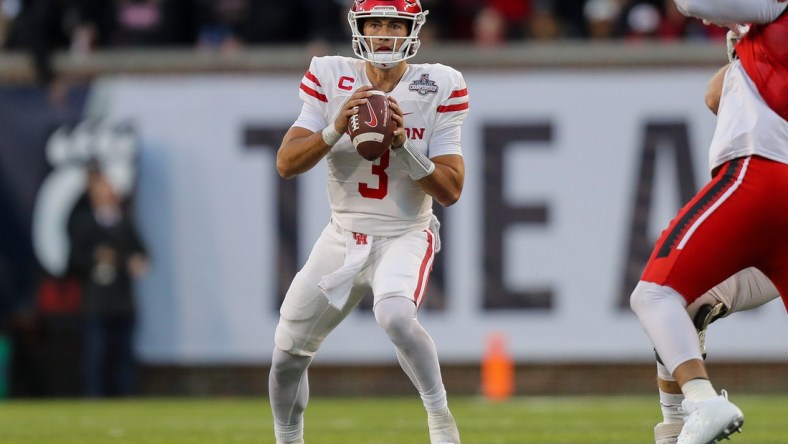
379, 197
382, 235
739, 219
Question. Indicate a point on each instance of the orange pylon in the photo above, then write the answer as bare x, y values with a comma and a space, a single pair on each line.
497, 370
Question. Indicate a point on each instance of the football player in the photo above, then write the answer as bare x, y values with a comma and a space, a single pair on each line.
736, 222
745, 290
382, 234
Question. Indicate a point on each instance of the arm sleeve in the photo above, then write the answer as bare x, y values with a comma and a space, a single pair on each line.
724, 12
451, 113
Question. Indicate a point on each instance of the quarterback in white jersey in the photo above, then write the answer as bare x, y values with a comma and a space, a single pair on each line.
382, 234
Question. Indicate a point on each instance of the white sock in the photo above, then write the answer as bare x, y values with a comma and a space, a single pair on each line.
671, 407
288, 433
435, 400
698, 390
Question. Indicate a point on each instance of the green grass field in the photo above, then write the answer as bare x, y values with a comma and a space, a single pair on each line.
543, 420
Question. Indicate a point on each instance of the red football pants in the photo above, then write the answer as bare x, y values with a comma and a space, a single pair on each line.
738, 220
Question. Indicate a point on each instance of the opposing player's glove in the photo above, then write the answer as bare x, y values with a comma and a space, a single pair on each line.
732, 38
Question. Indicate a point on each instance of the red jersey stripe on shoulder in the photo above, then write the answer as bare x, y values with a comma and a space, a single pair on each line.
312, 77
313, 93
450, 108
459, 93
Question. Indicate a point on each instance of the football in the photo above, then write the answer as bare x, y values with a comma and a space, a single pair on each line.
372, 128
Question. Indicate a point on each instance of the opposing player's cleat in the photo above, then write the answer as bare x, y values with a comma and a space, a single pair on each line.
443, 429
665, 433
709, 421
707, 314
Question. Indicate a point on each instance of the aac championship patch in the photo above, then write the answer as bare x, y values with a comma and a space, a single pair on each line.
424, 85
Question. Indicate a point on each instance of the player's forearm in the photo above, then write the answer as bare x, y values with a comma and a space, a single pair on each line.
724, 12
444, 184
299, 155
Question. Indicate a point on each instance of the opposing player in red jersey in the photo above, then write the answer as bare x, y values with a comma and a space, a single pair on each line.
737, 221
382, 234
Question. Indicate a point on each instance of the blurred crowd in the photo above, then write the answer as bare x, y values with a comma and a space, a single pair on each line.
225, 24
42, 26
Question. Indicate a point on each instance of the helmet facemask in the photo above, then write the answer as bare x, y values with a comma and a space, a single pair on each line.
403, 47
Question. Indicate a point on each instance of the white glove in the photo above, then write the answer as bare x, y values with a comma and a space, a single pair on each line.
732, 38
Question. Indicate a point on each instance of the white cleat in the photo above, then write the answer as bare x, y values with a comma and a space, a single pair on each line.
667, 433
709, 421
443, 429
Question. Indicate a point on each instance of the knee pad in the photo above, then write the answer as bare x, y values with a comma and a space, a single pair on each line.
636, 299
395, 315
288, 340
647, 293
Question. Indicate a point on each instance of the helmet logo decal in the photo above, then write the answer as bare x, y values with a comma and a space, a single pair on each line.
424, 85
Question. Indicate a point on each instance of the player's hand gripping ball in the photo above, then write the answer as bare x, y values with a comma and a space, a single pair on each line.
372, 128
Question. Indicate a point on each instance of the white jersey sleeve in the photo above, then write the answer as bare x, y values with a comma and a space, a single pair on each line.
450, 115
311, 118
726, 12
311, 90
321, 104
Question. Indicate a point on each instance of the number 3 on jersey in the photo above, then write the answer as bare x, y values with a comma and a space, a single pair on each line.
383, 180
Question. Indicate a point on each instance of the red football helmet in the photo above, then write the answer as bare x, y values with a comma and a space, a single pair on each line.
405, 47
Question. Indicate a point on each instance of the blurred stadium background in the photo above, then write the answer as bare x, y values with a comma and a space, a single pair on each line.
586, 133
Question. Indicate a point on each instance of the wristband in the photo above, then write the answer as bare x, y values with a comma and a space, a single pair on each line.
330, 135
417, 164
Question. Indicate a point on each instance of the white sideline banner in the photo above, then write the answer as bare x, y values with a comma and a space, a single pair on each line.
570, 146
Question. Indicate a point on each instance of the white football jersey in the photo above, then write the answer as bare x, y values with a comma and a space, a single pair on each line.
379, 197
745, 123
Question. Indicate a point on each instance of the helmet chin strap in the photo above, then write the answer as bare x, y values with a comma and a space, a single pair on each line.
386, 65
385, 60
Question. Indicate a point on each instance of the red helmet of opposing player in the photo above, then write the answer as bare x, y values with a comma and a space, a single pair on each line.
404, 47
